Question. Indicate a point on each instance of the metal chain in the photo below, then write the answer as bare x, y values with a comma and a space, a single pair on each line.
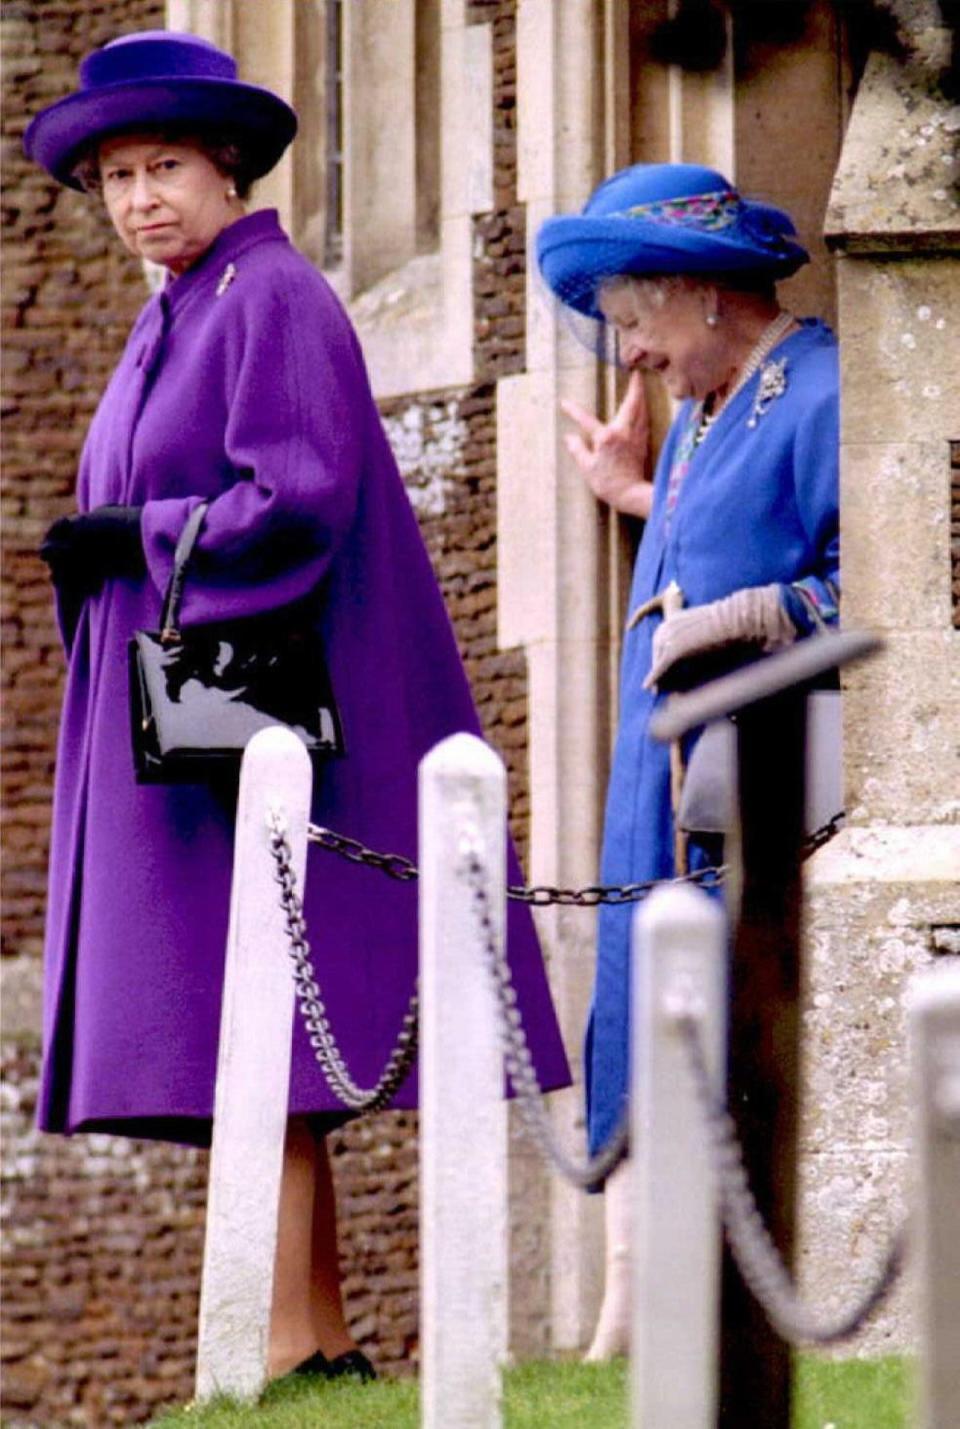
315, 1018
757, 1257
544, 896
516, 1052
394, 865
821, 836
397, 866
595, 1172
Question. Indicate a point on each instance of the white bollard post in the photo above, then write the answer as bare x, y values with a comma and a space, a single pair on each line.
935, 1019
463, 1118
679, 957
253, 1077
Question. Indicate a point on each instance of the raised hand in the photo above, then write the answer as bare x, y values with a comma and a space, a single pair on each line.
613, 456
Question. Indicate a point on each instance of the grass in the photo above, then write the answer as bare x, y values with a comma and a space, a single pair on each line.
853, 1394
538, 1396
830, 1394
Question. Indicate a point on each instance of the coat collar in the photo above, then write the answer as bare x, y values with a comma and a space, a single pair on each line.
212, 270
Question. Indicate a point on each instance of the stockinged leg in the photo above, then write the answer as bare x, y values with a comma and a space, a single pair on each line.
679, 962
463, 1126
253, 1076
935, 1018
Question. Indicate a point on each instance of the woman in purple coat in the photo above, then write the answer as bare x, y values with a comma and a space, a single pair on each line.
242, 385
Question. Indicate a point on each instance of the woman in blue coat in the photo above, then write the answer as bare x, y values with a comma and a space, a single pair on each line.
675, 273
242, 386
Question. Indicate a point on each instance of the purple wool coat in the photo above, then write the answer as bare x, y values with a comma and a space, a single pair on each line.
243, 384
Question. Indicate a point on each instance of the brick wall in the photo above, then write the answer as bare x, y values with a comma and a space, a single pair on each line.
69, 295
103, 1239
452, 434
103, 1236
102, 1243
499, 288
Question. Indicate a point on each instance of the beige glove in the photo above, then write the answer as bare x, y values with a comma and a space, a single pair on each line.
754, 614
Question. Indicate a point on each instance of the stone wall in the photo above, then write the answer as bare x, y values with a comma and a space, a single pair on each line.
955, 531
883, 899
104, 1235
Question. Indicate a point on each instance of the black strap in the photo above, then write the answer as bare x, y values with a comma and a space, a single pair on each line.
170, 618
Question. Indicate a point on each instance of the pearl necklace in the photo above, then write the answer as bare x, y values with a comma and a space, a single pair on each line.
765, 344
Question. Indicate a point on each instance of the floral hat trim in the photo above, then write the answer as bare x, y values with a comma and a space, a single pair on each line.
713, 211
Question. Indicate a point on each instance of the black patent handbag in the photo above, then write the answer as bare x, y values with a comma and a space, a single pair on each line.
197, 695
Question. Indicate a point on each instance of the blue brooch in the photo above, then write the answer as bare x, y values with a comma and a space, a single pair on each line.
772, 384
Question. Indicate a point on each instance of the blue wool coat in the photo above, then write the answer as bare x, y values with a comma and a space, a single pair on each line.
756, 506
242, 384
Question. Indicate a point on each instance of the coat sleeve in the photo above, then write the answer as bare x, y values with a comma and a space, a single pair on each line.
298, 405
813, 600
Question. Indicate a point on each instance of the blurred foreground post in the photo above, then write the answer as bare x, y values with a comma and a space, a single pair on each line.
935, 1017
764, 1059
253, 1077
463, 1115
769, 699
679, 940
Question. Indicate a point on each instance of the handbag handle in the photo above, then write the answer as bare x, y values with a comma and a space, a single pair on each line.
170, 618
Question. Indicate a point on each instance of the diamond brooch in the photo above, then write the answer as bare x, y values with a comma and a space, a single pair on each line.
229, 273
772, 384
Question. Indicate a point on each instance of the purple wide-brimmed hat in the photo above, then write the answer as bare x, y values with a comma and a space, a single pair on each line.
655, 219
155, 78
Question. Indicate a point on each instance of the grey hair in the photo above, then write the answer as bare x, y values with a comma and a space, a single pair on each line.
227, 155
655, 289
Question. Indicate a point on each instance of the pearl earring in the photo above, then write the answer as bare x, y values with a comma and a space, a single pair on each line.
712, 319
231, 191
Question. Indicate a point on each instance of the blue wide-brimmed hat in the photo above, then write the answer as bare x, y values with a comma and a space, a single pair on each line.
154, 78
654, 219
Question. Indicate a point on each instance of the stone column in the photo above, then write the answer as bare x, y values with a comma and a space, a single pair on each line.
416, 321
380, 141
884, 896
261, 40
549, 590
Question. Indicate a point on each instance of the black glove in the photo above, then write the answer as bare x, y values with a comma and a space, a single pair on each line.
83, 550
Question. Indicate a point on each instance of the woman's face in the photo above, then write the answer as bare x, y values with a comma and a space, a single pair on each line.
167, 201
671, 338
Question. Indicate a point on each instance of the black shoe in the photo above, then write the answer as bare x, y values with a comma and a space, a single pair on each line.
354, 1364
317, 1363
